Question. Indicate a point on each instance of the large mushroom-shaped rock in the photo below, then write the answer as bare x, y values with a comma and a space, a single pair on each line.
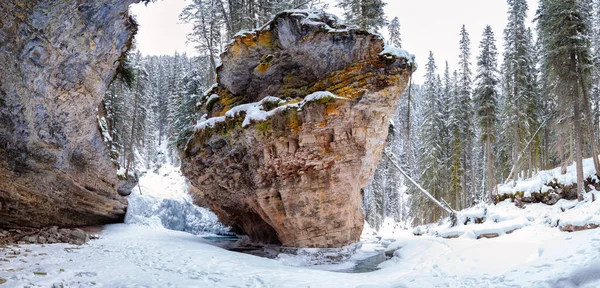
56, 60
294, 129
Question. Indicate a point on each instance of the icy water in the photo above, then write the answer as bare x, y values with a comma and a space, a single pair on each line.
367, 265
220, 238
224, 242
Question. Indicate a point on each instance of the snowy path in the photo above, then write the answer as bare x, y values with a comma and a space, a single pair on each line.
137, 256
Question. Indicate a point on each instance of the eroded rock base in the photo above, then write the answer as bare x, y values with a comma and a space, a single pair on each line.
50, 235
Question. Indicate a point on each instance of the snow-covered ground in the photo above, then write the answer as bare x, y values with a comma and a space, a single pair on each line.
145, 254
139, 256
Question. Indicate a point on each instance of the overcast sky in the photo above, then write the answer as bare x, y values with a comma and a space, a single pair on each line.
426, 25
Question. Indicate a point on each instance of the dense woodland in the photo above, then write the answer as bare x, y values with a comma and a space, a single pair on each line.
459, 133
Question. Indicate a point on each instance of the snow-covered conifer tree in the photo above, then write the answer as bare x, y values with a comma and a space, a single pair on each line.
394, 30
485, 98
365, 14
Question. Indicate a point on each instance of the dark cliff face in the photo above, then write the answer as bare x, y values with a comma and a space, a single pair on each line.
290, 170
56, 60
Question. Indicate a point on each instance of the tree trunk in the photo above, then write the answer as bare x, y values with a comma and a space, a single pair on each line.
490, 167
546, 158
574, 91
473, 189
579, 149
227, 19
408, 140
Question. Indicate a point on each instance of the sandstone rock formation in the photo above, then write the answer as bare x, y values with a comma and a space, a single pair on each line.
56, 60
290, 168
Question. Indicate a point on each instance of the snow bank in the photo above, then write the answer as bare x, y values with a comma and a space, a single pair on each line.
579, 213
480, 230
480, 221
505, 217
540, 182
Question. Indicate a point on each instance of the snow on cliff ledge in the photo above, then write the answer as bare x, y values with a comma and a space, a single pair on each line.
399, 53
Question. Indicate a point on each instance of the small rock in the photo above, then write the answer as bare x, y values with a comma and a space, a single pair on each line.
488, 235
77, 242
64, 231
31, 239
79, 236
53, 230
2, 280
86, 274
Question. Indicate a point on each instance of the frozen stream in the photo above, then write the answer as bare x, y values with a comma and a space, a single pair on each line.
367, 263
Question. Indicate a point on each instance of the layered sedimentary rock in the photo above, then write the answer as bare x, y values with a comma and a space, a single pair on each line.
56, 60
294, 129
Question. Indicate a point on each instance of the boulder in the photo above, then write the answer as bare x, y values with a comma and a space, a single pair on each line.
294, 129
57, 59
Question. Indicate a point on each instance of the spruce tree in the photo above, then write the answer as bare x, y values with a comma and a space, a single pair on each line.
457, 143
445, 133
516, 83
394, 30
206, 18
465, 115
565, 27
430, 149
365, 14
139, 112
485, 98
533, 107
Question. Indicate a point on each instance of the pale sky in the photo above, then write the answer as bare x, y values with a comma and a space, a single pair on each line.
426, 25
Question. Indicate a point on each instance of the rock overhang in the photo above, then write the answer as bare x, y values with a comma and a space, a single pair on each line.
294, 128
